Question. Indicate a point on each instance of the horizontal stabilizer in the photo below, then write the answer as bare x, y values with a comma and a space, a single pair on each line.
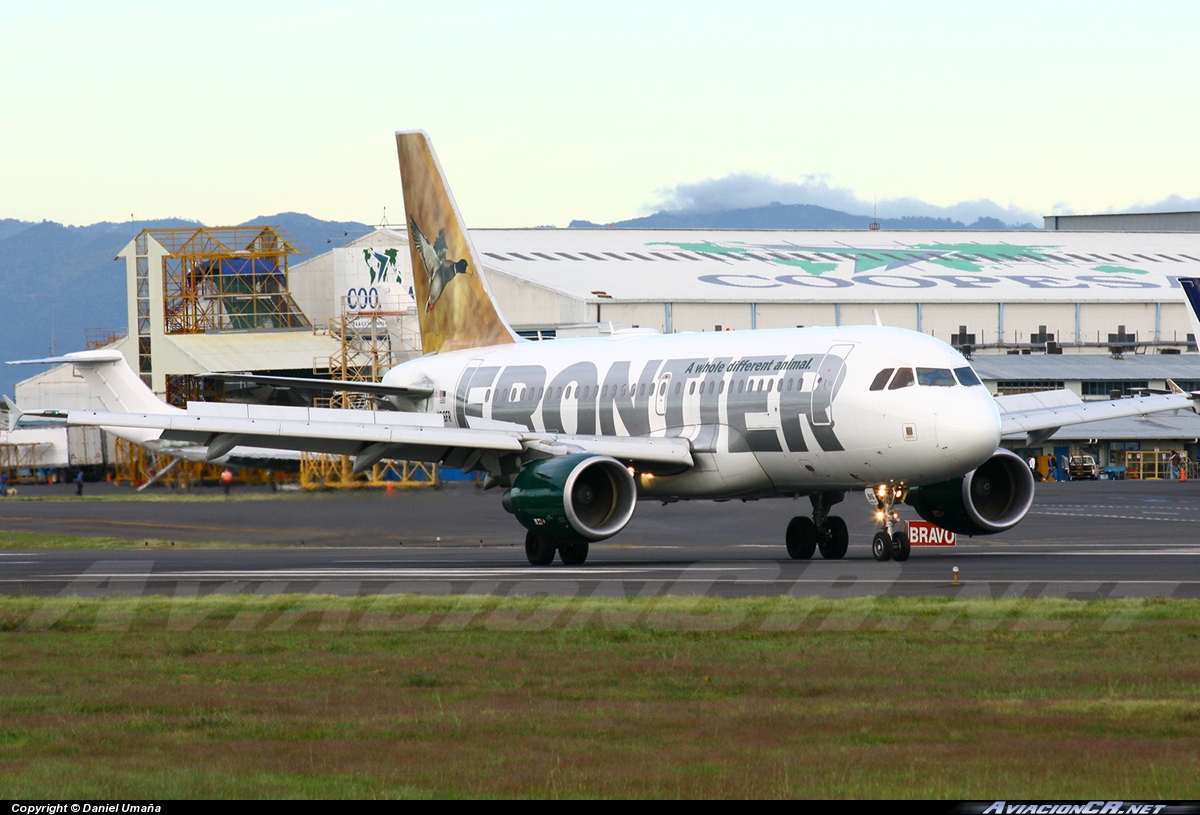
79, 357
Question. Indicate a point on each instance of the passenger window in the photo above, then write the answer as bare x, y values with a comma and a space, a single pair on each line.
935, 377
904, 378
967, 376
881, 378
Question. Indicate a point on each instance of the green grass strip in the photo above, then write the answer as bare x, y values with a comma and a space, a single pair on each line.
476, 696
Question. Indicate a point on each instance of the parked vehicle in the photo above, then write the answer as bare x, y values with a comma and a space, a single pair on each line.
1082, 468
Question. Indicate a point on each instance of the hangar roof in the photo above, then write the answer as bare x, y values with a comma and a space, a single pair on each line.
845, 266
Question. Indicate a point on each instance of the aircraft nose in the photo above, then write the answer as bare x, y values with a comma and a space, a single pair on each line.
967, 429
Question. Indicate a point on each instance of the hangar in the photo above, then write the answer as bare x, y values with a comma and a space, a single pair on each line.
1023, 304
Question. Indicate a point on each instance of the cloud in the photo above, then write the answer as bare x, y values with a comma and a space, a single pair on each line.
745, 190
1172, 203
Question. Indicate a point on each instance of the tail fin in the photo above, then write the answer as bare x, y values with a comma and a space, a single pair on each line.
110, 380
455, 305
1191, 290
14, 414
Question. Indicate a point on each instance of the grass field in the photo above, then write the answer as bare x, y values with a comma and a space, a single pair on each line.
405, 696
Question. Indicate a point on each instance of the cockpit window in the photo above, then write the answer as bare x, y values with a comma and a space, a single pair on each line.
967, 376
935, 377
881, 379
904, 378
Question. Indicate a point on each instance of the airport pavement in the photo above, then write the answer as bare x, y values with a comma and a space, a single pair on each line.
1083, 540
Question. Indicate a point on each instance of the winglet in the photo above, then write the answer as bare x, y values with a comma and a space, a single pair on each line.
14, 414
1191, 290
455, 307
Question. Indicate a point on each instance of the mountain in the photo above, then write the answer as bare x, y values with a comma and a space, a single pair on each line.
57, 282
788, 216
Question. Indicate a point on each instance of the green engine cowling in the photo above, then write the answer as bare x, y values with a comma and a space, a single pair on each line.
990, 499
583, 497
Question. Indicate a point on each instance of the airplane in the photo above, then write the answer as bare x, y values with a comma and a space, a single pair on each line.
577, 431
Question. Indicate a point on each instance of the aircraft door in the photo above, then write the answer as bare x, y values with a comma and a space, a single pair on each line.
660, 396
830, 374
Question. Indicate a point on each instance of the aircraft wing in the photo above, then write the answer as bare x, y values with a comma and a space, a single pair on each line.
370, 436
1038, 415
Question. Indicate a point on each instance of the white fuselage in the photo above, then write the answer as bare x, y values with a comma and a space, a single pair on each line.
777, 412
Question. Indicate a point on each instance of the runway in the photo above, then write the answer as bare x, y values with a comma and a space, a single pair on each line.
1081, 540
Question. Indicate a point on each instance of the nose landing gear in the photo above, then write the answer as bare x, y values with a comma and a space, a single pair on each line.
889, 542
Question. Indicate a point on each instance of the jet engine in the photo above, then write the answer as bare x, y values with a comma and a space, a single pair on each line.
582, 497
990, 499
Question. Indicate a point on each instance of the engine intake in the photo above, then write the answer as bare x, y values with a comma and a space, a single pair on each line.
579, 497
990, 499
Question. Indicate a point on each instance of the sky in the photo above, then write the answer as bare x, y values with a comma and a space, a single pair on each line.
545, 112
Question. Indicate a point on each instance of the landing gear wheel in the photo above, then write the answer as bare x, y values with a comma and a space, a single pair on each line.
801, 538
834, 547
573, 554
539, 549
881, 546
900, 546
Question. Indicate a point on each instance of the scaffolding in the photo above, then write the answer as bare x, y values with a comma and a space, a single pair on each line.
370, 343
20, 461
227, 278
101, 337
135, 465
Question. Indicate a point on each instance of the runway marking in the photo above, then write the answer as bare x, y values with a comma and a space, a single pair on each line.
1102, 515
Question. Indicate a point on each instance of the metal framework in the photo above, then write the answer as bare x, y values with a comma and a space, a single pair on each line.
135, 465
184, 388
365, 353
102, 337
227, 278
20, 461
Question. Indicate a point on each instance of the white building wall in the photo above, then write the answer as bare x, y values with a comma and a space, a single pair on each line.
942, 320
791, 315
525, 303
707, 316
896, 315
311, 283
1102, 319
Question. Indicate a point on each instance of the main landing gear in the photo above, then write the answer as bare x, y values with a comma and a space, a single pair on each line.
823, 532
889, 543
540, 549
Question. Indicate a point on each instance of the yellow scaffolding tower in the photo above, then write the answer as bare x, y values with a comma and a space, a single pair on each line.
227, 278
365, 353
